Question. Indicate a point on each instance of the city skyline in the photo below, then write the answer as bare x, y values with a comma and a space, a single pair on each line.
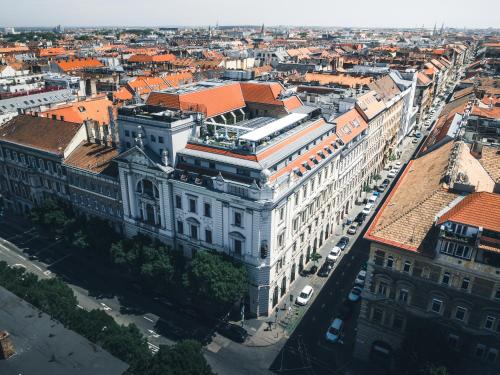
152, 13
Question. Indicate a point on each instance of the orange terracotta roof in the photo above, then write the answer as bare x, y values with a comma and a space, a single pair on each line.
212, 101
472, 211
291, 139
95, 109
215, 150
151, 58
268, 93
53, 51
122, 94
340, 79
350, 125
493, 113
78, 64
14, 49
423, 79
304, 158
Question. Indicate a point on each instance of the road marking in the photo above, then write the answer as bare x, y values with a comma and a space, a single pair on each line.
20, 256
80, 307
148, 319
38, 268
153, 333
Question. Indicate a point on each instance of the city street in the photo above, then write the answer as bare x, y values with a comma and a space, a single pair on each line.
298, 346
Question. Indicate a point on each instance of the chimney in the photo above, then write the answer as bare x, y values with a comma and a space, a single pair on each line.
87, 129
164, 158
113, 127
6, 346
97, 133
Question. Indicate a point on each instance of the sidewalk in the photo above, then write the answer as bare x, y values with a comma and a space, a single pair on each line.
289, 315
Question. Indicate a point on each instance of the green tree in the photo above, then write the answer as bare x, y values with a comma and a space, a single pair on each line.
315, 257
183, 358
217, 276
53, 217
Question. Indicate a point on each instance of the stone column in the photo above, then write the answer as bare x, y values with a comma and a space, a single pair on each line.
131, 196
162, 206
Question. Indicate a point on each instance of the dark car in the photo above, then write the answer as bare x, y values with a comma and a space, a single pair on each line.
345, 310
325, 269
386, 182
232, 331
360, 218
343, 242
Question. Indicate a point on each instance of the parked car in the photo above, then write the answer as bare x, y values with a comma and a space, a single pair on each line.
372, 198
386, 181
368, 208
355, 294
418, 135
360, 278
345, 310
232, 331
393, 173
305, 295
334, 254
335, 330
325, 269
360, 218
343, 242
376, 193
381, 188
398, 164
414, 141
353, 228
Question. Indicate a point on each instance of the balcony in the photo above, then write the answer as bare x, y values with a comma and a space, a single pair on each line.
456, 237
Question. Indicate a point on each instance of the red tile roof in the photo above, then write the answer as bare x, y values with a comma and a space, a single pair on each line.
477, 209
350, 125
151, 58
95, 109
78, 64
93, 158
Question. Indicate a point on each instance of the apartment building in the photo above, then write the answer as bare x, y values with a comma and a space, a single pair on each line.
246, 169
434, 255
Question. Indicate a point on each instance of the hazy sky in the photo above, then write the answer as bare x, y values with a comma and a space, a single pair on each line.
378, 13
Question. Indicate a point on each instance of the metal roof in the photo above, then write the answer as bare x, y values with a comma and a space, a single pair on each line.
273, 127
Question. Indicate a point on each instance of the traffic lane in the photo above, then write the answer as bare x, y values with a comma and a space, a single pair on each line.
296, 357
13, 258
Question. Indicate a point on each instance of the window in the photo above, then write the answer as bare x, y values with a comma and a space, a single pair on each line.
208, 236
153, 138
127, 133
237, 219
436, 305
134, 134
489, 322
197, 162
382, 288
178, 202
446, 278
377, 315
296, 197
211, 165
407, 266
460, 313
160, 140
128, 144
465, 283
497, 294
180, 227
295, 223
390, 261
207, 210
282, 213
192, 205
281, 239
403, 295
194, 232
